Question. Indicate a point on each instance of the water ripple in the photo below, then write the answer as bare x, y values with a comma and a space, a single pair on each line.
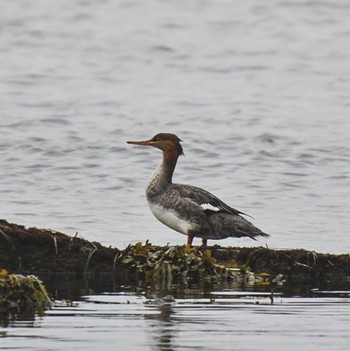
262, 109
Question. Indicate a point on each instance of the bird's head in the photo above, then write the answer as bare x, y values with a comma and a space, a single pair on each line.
166, 142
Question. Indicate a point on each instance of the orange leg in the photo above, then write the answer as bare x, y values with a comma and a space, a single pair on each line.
204, 242
189, 240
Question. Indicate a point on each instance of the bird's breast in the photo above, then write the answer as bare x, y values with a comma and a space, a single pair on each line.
170, 218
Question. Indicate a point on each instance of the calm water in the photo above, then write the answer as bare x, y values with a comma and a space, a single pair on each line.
224, 320
259, 92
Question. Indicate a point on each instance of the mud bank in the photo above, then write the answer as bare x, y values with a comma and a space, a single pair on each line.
43, 251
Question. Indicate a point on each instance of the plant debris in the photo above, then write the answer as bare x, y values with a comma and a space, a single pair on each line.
181, 264
19, 292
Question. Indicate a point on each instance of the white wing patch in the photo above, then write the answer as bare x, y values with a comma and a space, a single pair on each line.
210, 207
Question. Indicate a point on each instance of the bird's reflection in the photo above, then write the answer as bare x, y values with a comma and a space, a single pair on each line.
165, 309
162, 323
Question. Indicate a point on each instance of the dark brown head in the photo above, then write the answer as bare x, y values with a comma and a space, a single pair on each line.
166, 142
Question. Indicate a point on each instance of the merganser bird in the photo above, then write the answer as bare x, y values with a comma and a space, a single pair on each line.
188, 209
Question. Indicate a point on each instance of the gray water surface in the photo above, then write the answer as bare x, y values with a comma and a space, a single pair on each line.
258, 91
221, 320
